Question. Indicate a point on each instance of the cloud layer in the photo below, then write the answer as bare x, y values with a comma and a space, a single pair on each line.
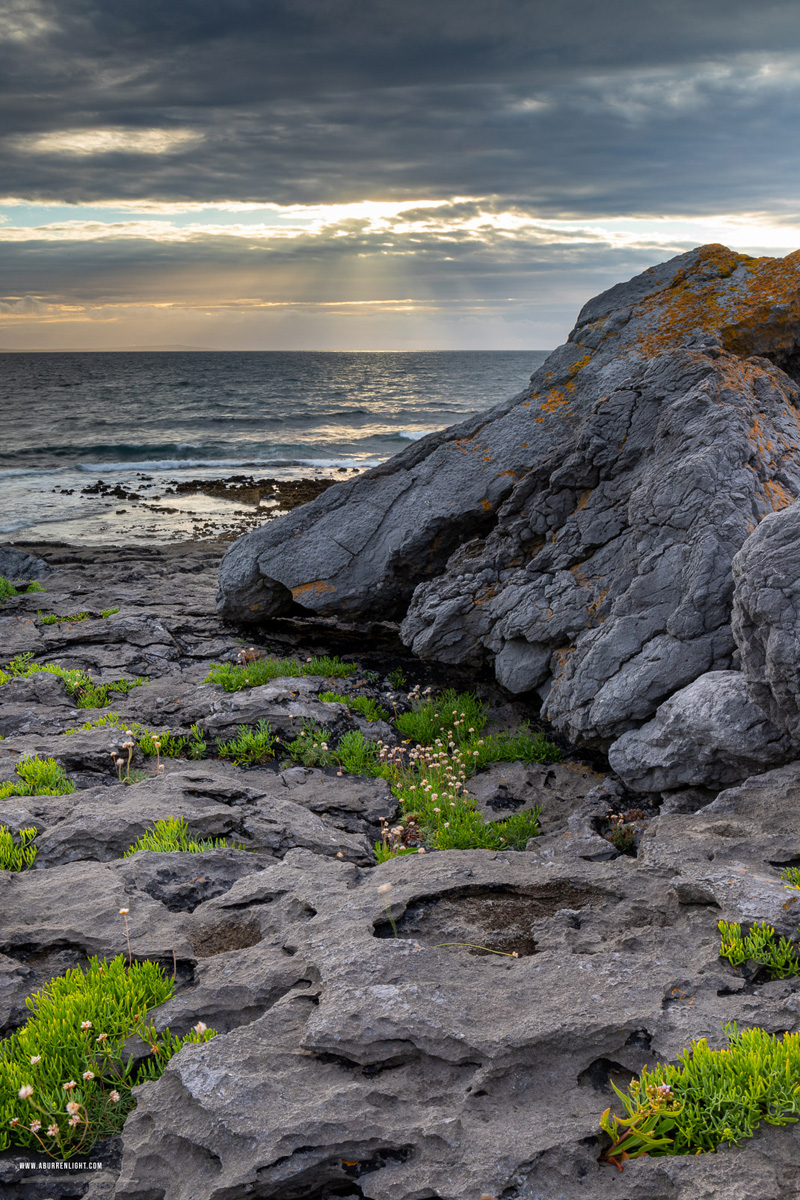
200, 156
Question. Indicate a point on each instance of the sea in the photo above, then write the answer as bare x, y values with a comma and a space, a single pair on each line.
94, 445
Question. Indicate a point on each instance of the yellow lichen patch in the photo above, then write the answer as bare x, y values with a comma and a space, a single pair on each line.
513, 474
316, 587
523, 445
582, 500
554, 400
578, 366
777, 495
760, 315
486, 504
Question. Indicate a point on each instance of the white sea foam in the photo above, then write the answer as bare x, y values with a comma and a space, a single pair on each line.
200, 464
413, 435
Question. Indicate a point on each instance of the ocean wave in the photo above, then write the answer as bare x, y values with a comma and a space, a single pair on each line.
412, 435
19, 472
158, 465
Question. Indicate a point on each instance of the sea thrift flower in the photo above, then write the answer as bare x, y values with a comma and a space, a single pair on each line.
14, 1121
37, 1058
200, 1027
101, 1037
73, 1107
52, 1131
86, 1024
74, 1121
88, 1075
69, 1086
114, 1097
25, 1092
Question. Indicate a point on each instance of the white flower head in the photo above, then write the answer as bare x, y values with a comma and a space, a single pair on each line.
25, 1092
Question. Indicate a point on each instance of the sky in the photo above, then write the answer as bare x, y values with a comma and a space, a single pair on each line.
375, 175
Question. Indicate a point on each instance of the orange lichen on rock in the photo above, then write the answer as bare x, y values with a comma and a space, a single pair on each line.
554, 400
760, 314
317, 586
777, 495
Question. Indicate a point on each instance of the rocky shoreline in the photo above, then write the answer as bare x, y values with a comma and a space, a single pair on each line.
612, 556
350, 1062
166, 509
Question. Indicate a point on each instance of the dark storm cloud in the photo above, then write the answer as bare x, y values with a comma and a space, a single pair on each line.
568, 106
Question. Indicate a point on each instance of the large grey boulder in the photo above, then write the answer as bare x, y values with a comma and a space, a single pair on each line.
710, 733
766, 616
580, 536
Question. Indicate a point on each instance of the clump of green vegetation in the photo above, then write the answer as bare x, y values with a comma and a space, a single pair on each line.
7, 589
713, 1096
73, 618
70, 618
523, 745
65, 1076
39, 777
354, 755
166, 837
154, 745
368, 708
310, 747
233, 677
459, 713
760, 945
791, 877
79, 684
364, 705
17, 855
252, 745
430, 779
397, 679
